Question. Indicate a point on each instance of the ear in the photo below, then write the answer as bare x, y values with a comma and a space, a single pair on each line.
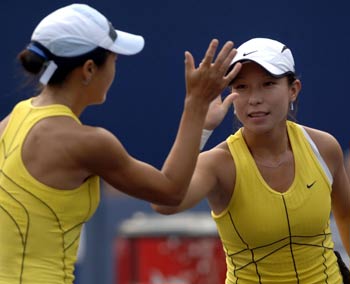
88, 69
294, 90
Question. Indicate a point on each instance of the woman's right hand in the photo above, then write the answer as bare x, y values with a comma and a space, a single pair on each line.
211, 77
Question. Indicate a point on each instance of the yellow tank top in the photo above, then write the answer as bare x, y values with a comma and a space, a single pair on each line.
272, 237
39, 225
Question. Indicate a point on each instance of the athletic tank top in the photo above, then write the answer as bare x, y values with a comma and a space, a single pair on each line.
272, 237
39, 225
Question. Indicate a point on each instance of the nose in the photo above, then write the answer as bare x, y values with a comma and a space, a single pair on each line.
255, 98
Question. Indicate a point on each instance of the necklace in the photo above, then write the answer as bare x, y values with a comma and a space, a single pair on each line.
272, 164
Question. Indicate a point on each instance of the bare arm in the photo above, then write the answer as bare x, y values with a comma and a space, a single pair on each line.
108, 158
213, 179
203, 182
333, 156
341, 201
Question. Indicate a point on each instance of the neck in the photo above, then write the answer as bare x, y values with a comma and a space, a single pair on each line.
274, 142
52, 95
269, 150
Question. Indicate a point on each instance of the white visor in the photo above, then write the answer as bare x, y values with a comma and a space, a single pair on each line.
78, 28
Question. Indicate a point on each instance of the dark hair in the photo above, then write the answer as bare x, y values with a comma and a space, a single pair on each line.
35, 64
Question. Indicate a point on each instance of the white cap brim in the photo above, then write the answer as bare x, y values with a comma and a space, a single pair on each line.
272, 69
127, 43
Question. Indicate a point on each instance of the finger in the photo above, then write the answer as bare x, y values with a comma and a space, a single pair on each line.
189, 62
216, 101
233, 73
210, 53
227, 103
225, 67
227, 62
225, 52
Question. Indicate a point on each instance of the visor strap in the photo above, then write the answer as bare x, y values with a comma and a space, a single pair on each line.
50, 68
37, 51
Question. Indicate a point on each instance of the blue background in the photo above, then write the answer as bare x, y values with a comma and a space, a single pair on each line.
145, 102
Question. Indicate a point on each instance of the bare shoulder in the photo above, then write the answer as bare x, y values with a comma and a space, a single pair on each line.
323, 140
95, 137
219, 161
328, 146
95, 145
83, 146
62, 153
217, 157
72, 133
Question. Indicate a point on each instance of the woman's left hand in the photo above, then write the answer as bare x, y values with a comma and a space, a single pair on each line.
217, 111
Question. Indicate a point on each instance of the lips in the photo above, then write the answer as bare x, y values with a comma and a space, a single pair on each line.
257, 114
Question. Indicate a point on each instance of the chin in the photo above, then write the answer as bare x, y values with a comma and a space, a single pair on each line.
97, 102
100, 101
258, 129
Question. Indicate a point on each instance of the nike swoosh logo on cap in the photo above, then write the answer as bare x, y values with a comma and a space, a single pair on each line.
247, 53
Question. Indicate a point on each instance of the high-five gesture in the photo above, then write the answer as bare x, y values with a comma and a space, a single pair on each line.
203, 85
68, 86
210, 78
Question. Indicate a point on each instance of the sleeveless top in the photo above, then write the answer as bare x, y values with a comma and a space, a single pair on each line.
39, 225
273, 237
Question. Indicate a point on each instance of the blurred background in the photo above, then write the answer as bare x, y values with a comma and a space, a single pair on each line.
144, 105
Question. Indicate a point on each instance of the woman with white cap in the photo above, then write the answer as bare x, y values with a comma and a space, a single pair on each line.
273, 184
50, 163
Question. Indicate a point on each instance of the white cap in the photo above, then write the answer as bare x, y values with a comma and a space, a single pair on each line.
78, 29
272, 55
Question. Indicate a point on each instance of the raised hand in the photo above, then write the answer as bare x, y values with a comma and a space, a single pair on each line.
217, 110
210, 78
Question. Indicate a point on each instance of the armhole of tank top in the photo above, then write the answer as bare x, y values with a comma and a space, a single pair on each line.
318, 155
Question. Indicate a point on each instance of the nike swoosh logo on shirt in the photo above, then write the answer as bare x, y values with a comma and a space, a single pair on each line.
310, 185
